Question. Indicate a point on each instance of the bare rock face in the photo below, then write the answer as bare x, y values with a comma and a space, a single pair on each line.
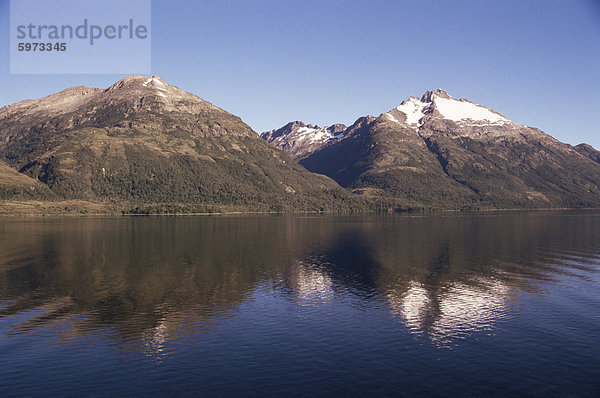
446, 152
430, 96
146, 141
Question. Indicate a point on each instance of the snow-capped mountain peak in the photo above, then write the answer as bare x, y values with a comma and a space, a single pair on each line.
460, 111
435, 110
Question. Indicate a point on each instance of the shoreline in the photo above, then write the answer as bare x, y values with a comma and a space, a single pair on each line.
77, 208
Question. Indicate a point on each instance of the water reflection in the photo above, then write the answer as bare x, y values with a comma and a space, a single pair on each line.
148, 282
454, 312
308, 283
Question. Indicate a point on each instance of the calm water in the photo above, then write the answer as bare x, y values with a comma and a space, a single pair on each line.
476, 305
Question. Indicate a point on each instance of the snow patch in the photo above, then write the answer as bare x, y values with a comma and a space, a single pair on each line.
392, 118
413, 109
461, 110
313, 135
156, 83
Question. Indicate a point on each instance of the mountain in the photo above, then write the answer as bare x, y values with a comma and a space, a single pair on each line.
444, 152
142, 142
300, 140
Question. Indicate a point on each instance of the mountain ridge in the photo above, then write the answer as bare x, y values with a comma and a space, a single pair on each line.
439, 151
144, 143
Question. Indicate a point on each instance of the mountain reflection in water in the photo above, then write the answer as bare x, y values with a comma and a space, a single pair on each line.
149, 281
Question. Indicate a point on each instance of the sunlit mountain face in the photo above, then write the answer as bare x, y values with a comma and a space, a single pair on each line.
141, 145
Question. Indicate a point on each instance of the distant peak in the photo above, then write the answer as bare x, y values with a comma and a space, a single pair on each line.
296, 123
429, 96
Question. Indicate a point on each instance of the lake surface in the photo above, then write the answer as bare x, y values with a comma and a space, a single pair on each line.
504, 304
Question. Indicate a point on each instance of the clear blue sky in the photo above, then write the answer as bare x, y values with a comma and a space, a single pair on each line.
270, 62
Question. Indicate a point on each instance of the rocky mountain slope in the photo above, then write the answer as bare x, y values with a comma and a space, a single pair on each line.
143, 141
440, 151
588, 151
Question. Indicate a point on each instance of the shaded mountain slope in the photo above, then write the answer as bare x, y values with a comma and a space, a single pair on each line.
588, 151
